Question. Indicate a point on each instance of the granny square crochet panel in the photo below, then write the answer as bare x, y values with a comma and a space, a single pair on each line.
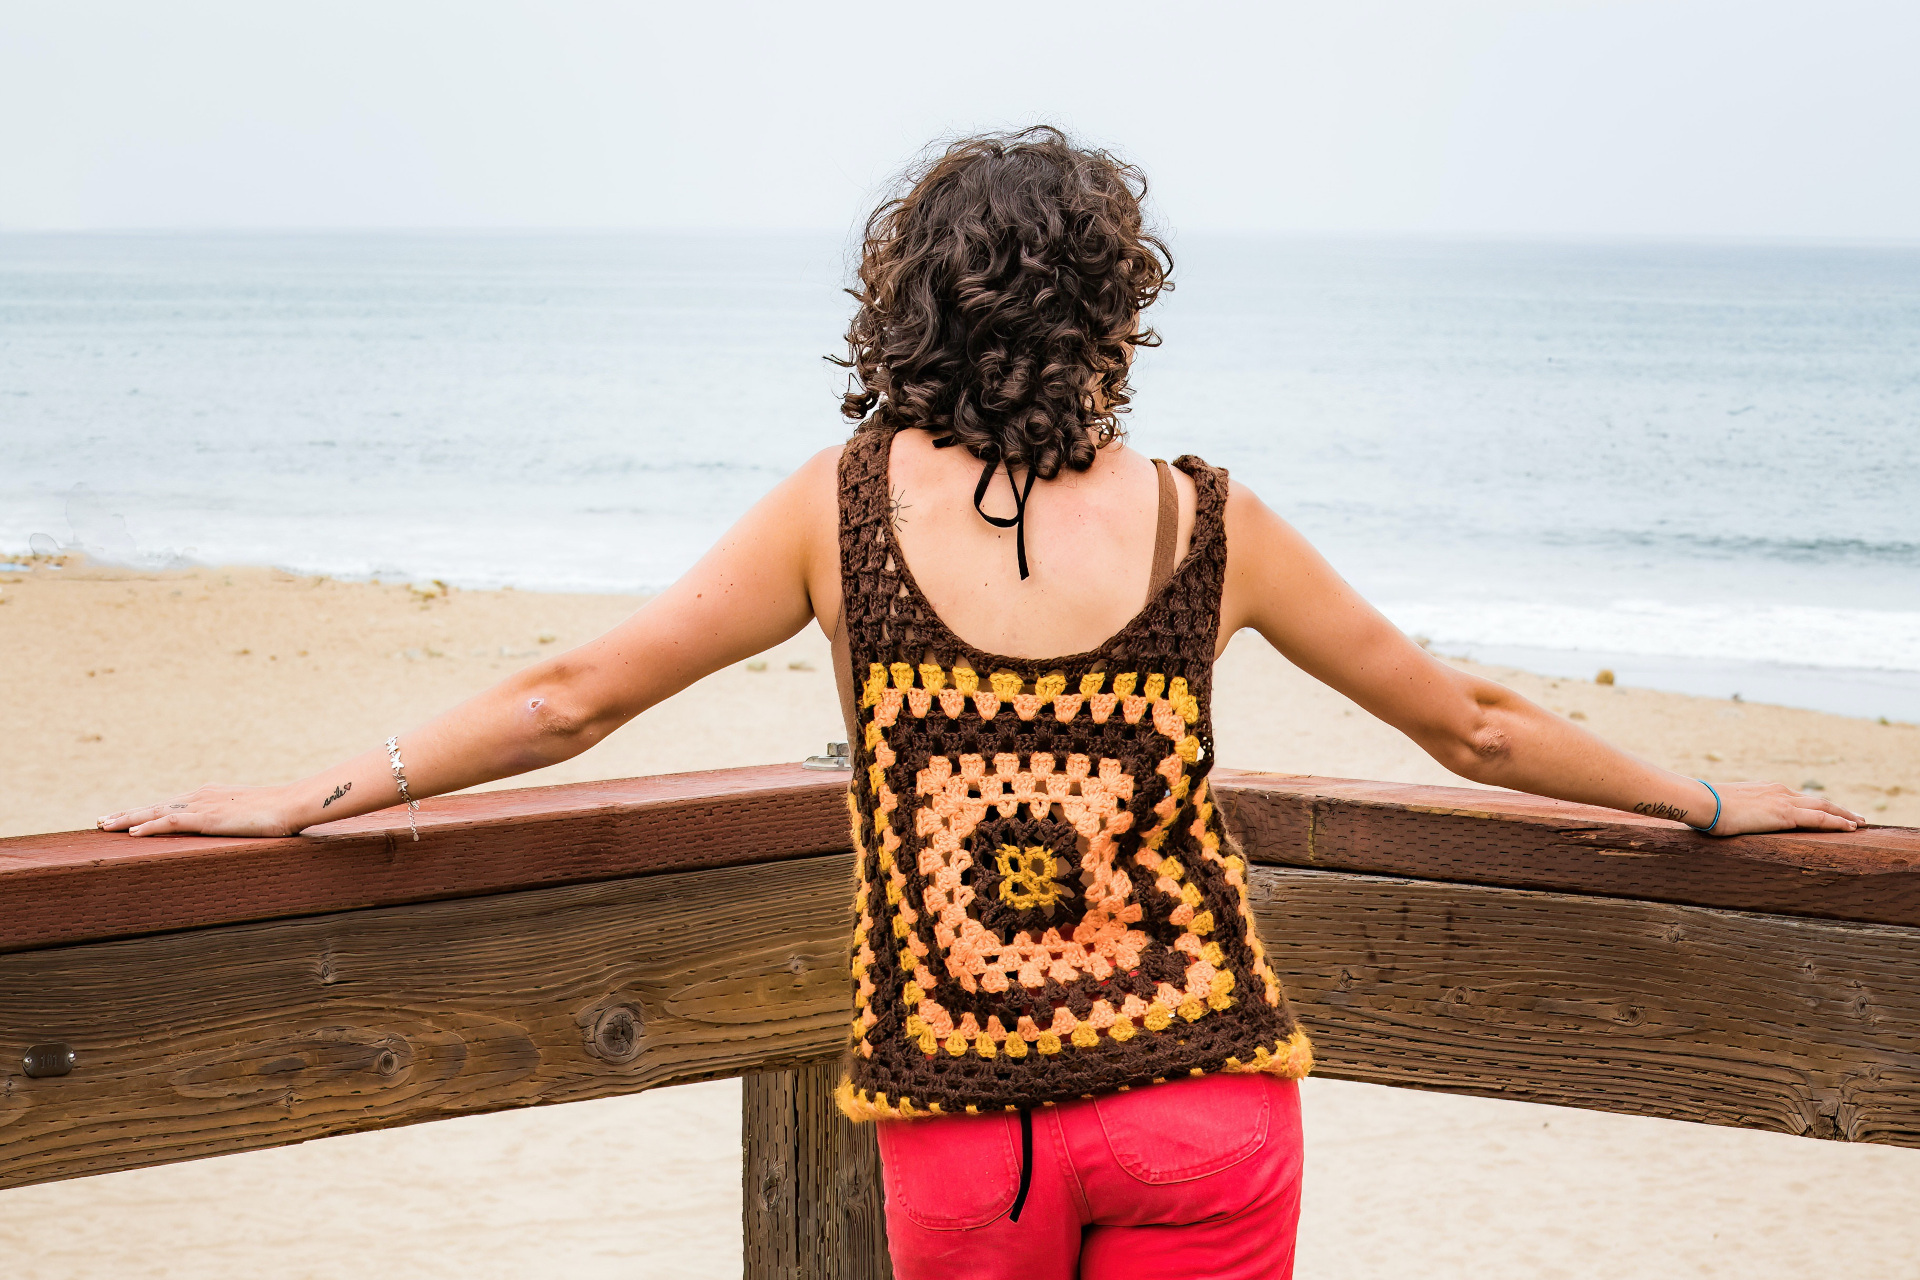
1047, 905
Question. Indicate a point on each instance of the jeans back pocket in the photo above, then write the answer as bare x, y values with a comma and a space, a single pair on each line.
950, 1173
1186, 1129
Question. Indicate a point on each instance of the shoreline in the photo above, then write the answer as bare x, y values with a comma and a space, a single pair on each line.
1866, 692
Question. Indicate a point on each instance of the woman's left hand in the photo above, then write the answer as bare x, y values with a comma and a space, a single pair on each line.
211, 811
1774, 806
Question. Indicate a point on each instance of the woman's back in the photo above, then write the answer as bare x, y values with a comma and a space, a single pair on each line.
1089, 543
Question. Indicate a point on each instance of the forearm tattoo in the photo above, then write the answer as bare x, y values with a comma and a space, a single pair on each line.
1655, 809
338, 791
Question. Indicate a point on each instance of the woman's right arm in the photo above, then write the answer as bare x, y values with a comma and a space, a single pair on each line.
1279, 585
755, 588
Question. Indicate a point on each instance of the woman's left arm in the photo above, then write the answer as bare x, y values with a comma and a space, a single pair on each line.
752, 590
1279, 585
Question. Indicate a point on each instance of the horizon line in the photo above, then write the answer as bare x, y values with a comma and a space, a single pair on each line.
1852, 240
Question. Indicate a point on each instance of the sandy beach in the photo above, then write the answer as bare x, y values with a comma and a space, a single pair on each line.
127, 687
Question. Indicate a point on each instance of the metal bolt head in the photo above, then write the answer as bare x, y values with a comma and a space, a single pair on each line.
43, 1060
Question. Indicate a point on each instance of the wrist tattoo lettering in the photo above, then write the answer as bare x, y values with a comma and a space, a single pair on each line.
338, 791
1655, 809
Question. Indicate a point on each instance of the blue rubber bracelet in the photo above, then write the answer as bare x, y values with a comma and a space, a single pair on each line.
1716, 807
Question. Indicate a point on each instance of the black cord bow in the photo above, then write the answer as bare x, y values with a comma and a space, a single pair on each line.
1018, 520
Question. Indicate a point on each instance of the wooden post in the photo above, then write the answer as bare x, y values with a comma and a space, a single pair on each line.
812, 1197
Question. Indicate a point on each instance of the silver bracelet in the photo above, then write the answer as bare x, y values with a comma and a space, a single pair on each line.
400, 778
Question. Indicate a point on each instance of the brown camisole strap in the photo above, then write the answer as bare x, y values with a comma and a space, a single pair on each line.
1166, 533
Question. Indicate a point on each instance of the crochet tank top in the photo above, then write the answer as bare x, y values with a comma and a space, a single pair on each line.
1047, 905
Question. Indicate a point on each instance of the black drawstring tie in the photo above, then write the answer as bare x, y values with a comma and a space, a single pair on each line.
1018, 523
1018, 520
1026, 1163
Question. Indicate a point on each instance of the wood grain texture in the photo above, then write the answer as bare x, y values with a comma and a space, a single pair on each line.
769, 1176
814, 1206
1504, 838
1766, 1022
83, 886
245, 1036
255, 1035
843, 1234
89, 885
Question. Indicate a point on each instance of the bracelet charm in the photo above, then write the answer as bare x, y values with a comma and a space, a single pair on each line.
400, 780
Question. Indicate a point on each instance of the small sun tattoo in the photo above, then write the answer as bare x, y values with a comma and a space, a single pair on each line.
897, 508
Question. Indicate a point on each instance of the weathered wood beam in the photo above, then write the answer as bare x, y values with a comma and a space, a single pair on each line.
1474, 836
214, 1040
89, 885
1765, 1022
246, 1036
82, 886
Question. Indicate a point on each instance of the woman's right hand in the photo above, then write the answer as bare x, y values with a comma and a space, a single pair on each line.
1772, 806
209, 810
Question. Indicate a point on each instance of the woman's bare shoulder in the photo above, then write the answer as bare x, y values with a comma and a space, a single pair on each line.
1247, 513
817, 507
1271, 568
822, 469
1248, 520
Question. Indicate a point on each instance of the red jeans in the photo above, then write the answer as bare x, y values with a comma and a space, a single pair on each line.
1189, 1180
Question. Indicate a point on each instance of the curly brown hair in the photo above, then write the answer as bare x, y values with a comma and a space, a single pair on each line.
1000, 300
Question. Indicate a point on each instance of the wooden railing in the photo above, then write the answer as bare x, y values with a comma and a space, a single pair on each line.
208, 995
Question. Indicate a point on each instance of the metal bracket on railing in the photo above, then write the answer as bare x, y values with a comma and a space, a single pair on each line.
837, 757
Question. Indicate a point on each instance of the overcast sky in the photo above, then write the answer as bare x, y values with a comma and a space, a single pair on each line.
1753, 118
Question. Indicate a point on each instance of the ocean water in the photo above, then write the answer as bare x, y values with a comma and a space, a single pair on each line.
1696, 463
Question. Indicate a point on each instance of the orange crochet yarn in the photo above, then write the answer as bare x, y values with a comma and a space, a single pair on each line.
1048, 906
